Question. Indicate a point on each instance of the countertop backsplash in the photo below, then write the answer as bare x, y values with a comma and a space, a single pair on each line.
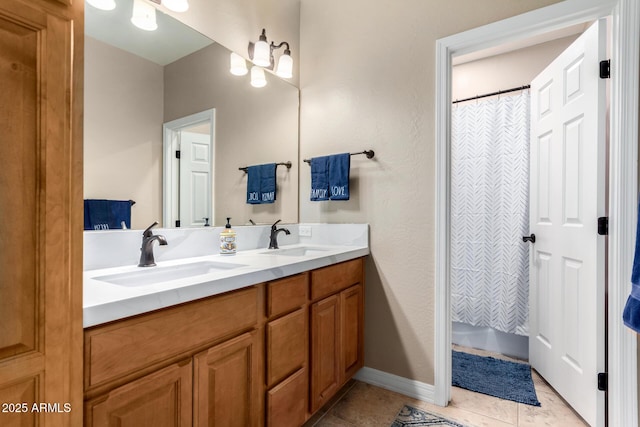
114, 248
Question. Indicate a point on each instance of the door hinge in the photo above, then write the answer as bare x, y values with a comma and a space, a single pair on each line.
603, 225
177, 223
605, 69
177, 154
602, 381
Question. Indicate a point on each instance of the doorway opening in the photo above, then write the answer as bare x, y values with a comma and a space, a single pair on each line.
622, 168
518, 168
189, 162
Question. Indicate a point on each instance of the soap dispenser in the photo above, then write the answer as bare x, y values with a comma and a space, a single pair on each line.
228, 240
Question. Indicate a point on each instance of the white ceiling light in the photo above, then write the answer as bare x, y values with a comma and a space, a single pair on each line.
144, 15
103, 4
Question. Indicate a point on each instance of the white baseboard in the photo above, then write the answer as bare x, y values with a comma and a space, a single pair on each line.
412, 388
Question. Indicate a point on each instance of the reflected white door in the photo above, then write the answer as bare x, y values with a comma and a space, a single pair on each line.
195, 179
568, 159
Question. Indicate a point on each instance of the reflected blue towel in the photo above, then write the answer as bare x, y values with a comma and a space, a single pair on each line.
261, 184
631, 313
102, 214
320, 178
253, 185
339, 165
268, 183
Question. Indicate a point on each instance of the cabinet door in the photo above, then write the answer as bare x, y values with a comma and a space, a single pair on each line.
227, 384
160, 399
325, 350
287, 402
352, 330
41, 60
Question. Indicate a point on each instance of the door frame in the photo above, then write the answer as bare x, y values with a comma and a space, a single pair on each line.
623, 177
170, 179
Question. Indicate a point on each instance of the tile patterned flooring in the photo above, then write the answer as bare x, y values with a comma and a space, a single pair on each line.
360, 404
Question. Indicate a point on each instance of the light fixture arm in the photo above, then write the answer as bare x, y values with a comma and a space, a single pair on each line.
287, 51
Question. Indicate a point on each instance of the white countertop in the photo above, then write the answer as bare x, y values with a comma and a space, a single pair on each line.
105, 302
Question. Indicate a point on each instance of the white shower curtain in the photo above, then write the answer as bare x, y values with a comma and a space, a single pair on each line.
490, 213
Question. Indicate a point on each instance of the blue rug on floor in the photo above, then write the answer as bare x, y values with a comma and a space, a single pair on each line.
412, 417
499, 378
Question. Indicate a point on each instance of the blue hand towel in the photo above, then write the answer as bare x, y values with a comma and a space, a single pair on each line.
261, 184
631, 313
253, 185
268, 183
101, 214
319, 178
339, 165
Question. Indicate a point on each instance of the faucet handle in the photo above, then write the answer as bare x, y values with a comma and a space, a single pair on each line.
274, 224
148, 231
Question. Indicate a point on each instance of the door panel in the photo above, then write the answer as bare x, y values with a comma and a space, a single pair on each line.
41, 57
566, 341
195, 179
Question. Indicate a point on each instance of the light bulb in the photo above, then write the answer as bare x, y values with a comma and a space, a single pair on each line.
238, 65
262, 54
258, 78
176, 5
285, 66
103, 4
144, 15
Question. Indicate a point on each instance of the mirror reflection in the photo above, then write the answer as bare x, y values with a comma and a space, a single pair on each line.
137, 82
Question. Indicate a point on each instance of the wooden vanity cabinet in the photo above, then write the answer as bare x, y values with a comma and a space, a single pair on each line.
270, 354
180, 366
337, 316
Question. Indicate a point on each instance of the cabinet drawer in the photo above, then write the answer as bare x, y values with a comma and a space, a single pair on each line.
122, 348
286, 345
329, 280
287, 402
287, 294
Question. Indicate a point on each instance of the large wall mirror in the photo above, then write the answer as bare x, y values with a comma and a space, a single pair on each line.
137, 81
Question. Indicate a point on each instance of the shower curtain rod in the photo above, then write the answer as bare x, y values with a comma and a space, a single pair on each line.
500, 92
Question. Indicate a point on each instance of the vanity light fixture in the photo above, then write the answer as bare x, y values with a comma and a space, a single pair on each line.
258, 78
261, 53
238, 65
144, 15
103, 4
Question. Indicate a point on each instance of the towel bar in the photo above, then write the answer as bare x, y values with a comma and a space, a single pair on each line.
368, 153
287, 164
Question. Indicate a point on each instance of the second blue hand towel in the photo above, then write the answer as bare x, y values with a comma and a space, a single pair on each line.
339, 165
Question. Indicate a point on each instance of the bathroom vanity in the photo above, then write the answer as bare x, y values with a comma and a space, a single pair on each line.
275, 340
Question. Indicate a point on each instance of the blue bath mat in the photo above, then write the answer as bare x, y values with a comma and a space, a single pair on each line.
412, 417
499, 378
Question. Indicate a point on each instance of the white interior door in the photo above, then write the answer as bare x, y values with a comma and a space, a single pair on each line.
567, 298
195, 179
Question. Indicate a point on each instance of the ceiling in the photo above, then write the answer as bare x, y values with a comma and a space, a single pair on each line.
170, 42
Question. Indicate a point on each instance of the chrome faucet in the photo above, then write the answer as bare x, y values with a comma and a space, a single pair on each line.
146, 251
273, 238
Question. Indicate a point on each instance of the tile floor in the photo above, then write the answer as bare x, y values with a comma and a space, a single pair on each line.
360, 404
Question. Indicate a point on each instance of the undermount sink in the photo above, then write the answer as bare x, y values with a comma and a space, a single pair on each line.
152, 275
299, 251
